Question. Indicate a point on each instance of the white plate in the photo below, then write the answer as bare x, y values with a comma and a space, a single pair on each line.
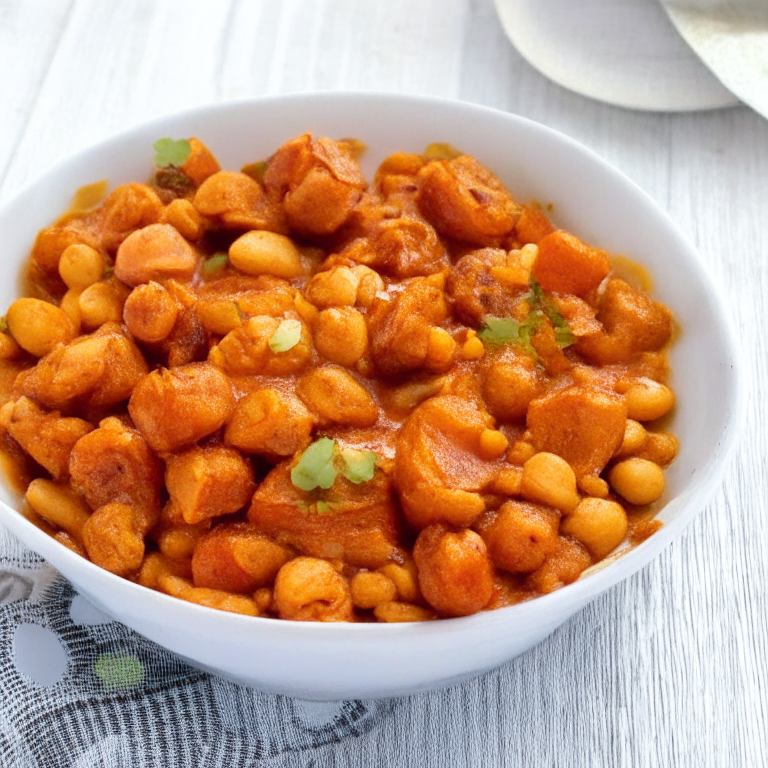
624, 52
731, 38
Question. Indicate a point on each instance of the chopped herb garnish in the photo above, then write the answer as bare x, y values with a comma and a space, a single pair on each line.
287, 336
3, 324
498, 331
319, 466
174, 180
324, 507
563, 334
214, 264
359, 466
256, 170
170, 152
316, 467
109, 270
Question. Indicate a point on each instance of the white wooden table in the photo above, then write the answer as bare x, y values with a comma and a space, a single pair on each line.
666, 669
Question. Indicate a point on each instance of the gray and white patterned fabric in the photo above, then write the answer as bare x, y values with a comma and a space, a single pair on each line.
79, 690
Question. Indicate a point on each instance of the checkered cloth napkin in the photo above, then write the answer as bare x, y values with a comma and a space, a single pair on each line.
79, 690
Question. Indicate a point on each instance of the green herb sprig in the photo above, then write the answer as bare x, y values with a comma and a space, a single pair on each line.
320, 465
499, 331
171, 153
286, 336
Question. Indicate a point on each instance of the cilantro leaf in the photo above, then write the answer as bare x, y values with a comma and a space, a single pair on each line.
174, 180
497, 331
215, 263
563, 334
359, 466
564, 337
316, 467
528, 329
3, 324
256, 170
287, 336
170, 152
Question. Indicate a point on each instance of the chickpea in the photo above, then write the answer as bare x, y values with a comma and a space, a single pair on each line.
370, 283
520, 536
59, 505
473, 348
634, 438
156, 565
441, 349
510, 382
211, 598
260, 252
405, 580
648, 400
370, 589
336, 397
113, 538
102, 303
81, 266
306, 311
179, 543
341, 335
492, 444
407, 396
6, 414
308, 589
455, 572
72, 544
507, 481
8, 347
269, 423
336, 287
639, 481
150, 312
568, 562
661, 448
549, 479
38, 326
263, 599
182, 215
599, 524
70, 305
396, 613
520, 452
590, 485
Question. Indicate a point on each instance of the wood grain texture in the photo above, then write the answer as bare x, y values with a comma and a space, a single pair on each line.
666, 669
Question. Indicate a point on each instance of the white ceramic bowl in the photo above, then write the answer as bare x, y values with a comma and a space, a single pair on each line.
331, 661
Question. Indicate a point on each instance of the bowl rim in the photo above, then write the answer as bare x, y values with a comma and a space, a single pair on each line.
563, 601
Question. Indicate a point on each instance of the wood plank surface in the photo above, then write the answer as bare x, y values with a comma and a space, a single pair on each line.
666, 669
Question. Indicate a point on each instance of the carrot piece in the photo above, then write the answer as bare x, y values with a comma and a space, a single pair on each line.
533, 225
201, 163
566, 265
